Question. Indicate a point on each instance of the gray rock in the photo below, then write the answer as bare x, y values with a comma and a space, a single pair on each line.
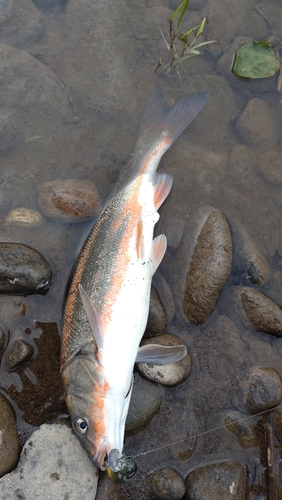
270, 167
157, 318
17, 352
53, 466
9, 439
242, 429
170, 373
209, 267
277, 422
249, 263
165, 484
20, 22
255, 125
264, 390
145, 402
22, 269
11, 136
69, 200
24, 217
263, 313
222, 480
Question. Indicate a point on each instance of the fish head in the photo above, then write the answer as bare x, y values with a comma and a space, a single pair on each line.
97, 411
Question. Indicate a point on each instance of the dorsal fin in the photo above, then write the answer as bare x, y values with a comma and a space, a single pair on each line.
93, 318
159, 248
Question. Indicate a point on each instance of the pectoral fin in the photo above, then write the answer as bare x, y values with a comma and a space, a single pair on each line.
162, 186
159, 248
93, 317
160, 354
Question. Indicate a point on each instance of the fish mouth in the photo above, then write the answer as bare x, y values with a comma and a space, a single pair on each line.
100, 458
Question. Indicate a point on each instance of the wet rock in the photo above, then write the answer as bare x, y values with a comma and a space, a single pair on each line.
249, 263
9, 439
20, 23
145, 402
13, 309
263, 313
17, 353
69, 200
173, 228
222, 480
255, 125
48, 467
11, 135
170, 373
25, 217
209, 267
242, 429
157, 317
277, 422
165, 484
22, 269
218, 17
264, 390
165, 295
270, 167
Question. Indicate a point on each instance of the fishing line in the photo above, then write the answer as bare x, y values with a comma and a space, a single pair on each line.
205, 432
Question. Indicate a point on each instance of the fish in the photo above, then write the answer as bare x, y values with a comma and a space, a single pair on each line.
107, 304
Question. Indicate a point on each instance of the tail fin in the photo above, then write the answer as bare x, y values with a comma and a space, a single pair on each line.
176, 119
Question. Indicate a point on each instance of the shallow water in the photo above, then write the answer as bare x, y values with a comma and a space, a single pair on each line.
76, 92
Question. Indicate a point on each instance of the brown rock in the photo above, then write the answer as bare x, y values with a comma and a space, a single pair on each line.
264, 315
209, 268
69, 200
9, 442
264, 390
165, 484
170, 373
223, 480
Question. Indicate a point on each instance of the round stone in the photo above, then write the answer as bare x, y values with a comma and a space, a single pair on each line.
241, 428
25, 217
69, 200
223, 480
255, 125
263, 313
209, 267
17, 353
264, 390
9, 442
165, 484
144, 404
170, 373
22, 269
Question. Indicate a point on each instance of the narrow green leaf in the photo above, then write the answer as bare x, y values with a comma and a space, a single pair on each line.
201, 28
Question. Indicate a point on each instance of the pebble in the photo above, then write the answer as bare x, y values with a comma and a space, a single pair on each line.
270, 167
22, 269
242, 429
20, 23
249, 264
17, 353
144, 404
11, 135
222, 480
264, 390
277, 422
255, 125
24, 217
170, 373
263, 313
69, 200
165, 484
9, 442
157, 318
54, 466
209, 267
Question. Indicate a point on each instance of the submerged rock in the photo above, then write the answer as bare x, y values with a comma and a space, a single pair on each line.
209, 267
157, 317
270, 167
18, 352
144, 404
264, 390
22, 269
241, 427
11, 136
69, 200
222, 480
9, 442
20, 23
170, 373
263, 313
255, 125
54, 466
165, 484
25, 217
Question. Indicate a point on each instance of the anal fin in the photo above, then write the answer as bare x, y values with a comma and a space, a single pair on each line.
159, 248
162, 186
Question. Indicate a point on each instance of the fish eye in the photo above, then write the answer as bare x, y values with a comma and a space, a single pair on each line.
81, 425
